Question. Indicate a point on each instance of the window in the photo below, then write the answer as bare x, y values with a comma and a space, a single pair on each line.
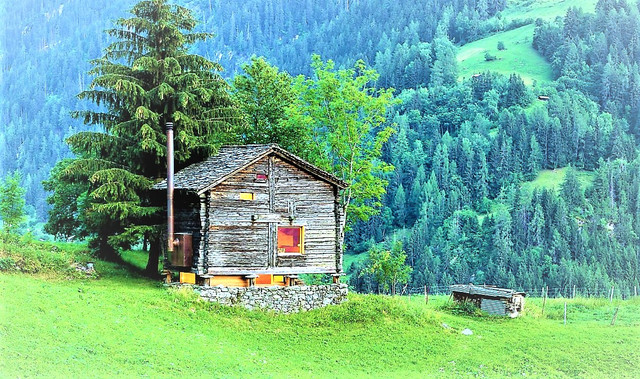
247, 196
290, 239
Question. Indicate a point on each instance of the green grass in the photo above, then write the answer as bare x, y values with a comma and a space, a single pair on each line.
123, 325
552, 180
519, 57
545, 9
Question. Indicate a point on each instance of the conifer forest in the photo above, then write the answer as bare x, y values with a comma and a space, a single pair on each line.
523, 177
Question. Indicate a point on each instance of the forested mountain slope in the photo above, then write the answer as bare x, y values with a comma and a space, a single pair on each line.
47, 45
468, 134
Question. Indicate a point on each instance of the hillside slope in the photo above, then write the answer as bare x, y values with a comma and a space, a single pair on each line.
518, 56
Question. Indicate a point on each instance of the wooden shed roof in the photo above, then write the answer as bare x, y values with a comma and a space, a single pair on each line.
485, 291
202, 176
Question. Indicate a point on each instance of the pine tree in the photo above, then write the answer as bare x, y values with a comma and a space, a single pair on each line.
571, 191
12, 203
146, 78
399, 207
534, 163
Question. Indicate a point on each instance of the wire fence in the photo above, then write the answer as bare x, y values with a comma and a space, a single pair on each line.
569, 292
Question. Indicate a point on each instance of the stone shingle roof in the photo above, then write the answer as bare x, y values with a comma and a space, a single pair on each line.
230, 159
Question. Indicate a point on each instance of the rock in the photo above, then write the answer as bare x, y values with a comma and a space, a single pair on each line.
467, 332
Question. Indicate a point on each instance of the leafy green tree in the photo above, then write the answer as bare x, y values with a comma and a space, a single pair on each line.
347, 118
388, 267
12, 203
146, 78
263, 93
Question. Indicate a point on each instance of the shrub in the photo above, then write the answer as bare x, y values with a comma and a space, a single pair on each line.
489, 57
464, 308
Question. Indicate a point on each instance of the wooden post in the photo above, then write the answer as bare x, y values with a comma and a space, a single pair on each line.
574, 291
565, 313
615, 315
544, 301
426, 295
611, 296
635, 291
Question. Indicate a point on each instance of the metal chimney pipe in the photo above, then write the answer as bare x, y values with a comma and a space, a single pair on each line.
169, 126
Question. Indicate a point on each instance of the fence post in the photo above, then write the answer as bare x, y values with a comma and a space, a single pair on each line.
426, 295
635, 291
615, 315
544, 300
565, 313
574, 291
611, 297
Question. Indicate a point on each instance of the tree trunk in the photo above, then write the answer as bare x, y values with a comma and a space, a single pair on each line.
104, 251
343, 222
155, 247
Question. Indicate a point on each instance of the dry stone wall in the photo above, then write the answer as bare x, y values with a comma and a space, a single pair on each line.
280, 299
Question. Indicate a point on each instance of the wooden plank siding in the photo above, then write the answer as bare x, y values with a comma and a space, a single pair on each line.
241, 235
187, 218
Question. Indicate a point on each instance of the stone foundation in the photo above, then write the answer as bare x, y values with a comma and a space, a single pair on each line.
280, 299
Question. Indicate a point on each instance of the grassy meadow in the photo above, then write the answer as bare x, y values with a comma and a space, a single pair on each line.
519, 56
552, 180
120, 324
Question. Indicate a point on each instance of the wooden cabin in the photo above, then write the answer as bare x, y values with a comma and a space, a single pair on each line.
255, 215
493, 300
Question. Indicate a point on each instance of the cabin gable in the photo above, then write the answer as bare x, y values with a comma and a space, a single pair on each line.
255, 212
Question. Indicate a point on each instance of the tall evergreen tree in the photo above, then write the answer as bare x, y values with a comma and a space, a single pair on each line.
146, 78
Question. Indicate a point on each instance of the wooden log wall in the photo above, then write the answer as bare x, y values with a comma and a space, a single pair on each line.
311, 202
242, 234
234, 240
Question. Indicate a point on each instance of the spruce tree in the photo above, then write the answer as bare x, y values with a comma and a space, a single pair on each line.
147, 77
12, 203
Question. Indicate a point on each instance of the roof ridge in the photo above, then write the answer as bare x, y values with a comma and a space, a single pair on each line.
230, 158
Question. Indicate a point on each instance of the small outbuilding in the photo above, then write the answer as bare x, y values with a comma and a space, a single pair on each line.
255, 215
493, 300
